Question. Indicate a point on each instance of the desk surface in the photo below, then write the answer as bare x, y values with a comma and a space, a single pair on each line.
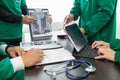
105, 70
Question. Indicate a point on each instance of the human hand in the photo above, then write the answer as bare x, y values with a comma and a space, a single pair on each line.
69, 18
32, 57
50, 19
98, 44
82, 31
27, 19
15, 51
105, 53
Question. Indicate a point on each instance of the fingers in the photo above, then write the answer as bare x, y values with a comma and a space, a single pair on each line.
66, 20
14, 51
50, 19
30, 19
39, 54
13, 55
95, 44
27, 19
83, 31
101, 53
32, 57
69, 18
100, 44
19, 50
99, 57
40, 58
37, 51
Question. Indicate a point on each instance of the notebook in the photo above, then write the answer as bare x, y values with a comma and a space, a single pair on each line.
79, 41
40, 31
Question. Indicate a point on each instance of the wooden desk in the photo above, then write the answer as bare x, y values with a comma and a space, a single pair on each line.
105, 70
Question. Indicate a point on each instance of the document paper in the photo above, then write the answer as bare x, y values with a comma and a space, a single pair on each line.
56, 55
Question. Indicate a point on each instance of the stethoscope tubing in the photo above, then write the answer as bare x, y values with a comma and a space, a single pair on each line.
78, 64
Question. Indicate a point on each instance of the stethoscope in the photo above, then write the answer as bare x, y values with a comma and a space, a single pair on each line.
70, 65
77, 63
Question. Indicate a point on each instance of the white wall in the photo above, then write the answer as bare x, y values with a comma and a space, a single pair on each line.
118, 20
57, 8
60, 8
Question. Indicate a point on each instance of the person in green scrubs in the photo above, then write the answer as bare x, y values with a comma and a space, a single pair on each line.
13, 13
108, 51
97, 19
12, 67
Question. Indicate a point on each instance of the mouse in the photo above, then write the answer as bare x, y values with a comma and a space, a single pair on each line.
62, 36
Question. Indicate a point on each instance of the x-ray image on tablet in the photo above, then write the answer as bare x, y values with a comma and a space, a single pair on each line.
40, 29
41, 24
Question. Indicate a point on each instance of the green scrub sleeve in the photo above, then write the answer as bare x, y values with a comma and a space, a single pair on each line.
117, 56
7, 71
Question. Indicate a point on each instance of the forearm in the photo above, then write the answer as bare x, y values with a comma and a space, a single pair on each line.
75, 9
24, 10
9, 17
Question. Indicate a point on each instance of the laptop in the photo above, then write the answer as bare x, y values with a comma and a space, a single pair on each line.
81, 48
40, 31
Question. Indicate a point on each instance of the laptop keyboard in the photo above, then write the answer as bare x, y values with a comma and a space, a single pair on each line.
86, 52
44, 45
44, 42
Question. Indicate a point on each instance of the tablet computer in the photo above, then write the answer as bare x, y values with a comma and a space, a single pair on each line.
76, 37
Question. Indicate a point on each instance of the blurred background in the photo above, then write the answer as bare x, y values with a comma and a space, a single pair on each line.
59, 9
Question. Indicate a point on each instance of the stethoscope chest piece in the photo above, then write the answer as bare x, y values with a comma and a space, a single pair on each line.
90, 69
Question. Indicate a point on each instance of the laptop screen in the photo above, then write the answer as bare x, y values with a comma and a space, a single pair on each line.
76, 37
41, 26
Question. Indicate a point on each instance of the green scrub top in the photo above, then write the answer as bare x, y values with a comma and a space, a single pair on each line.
115, 45
6, 68
7, 72
10, 30
97, 17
